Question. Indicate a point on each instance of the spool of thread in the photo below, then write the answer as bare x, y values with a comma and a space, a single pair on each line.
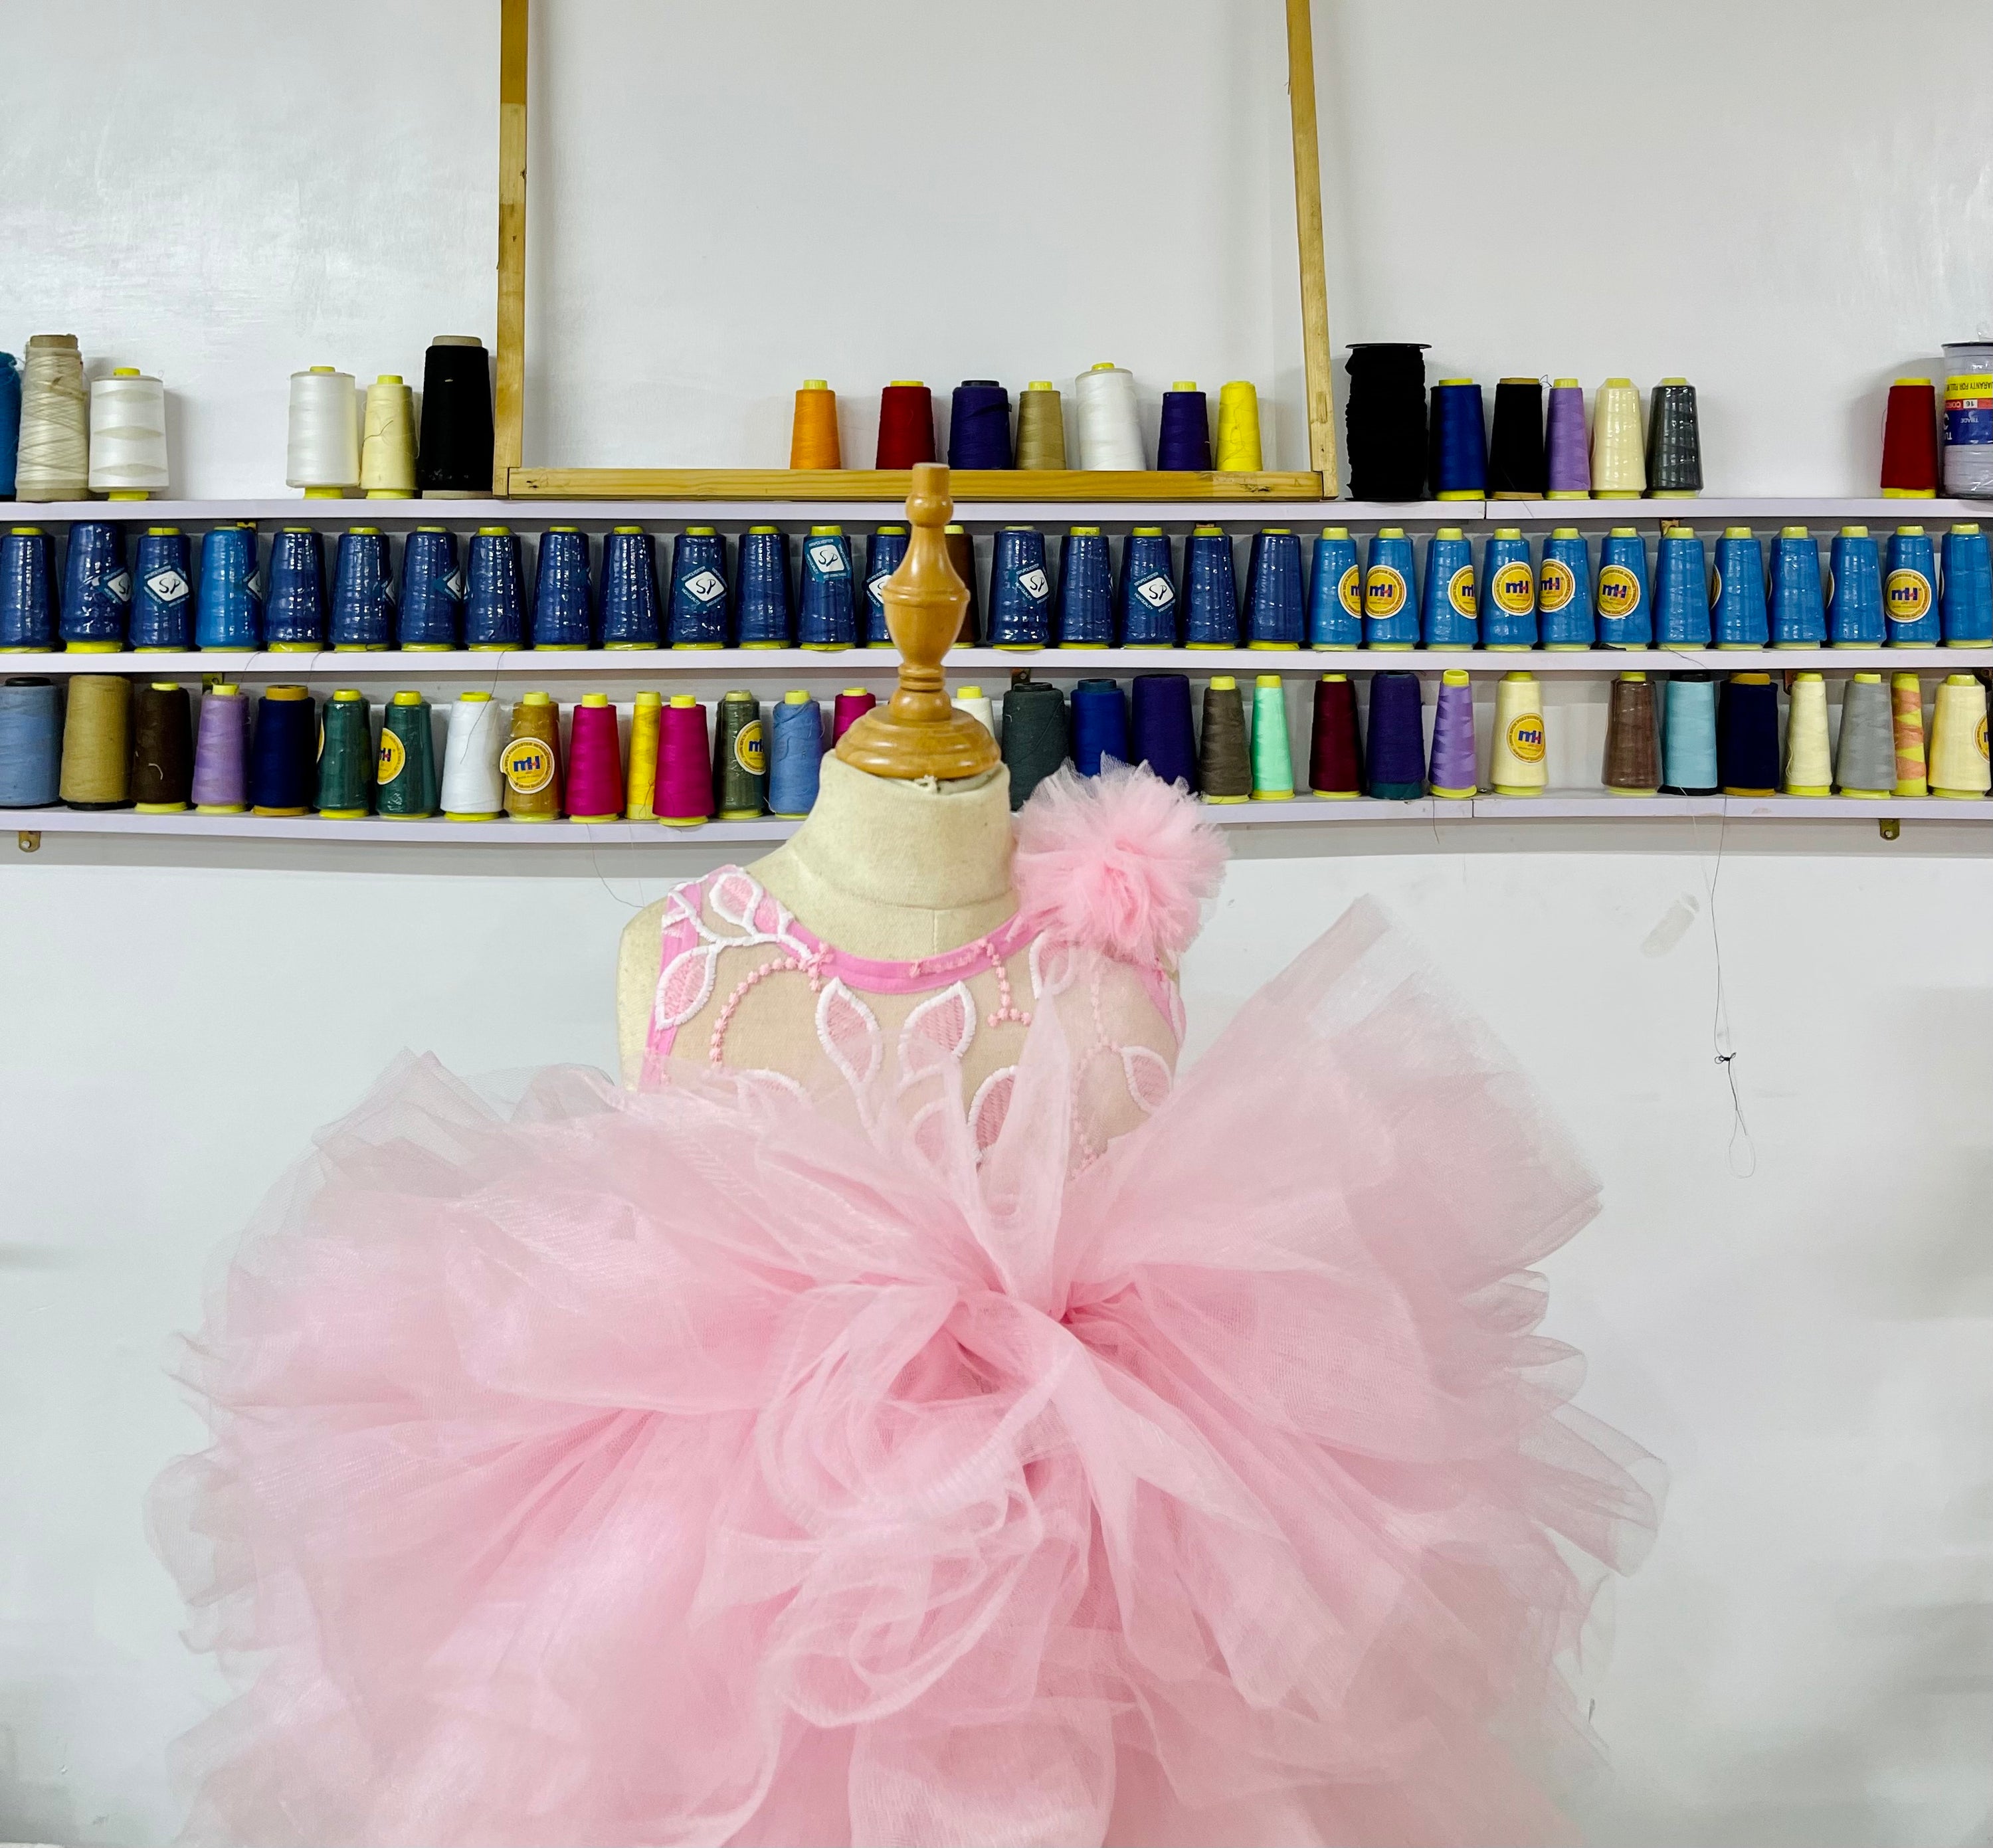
1273, 757
563, 600
97, 742
322, 454
1086, 591
629, 611
1099, 725
1239, 450
976, 704
1906, 712
1798, 612
1454, 756
1390, 587
766, 620
363, 592
1335, 745
10, 423
1618, 453
1966, 611
1040, 426
1516, 470
906, 425
1864, 759
27, 591
455, 460
639, 787
30, 742
739, 758
1740, 605
1459, 463
162, 592
294, 617
1450, 609
346, 758
96, 588
221, 751
283, 767
1681, 591
127, 436
1224, 765
884, 551
1909, 441
431, 603
494, 599
1854, 596
1335, 592
1210, 590
1809, 762
979, 427
1034, 740
474, 786
795, 762
52, 456
1184, 442
387, 440
1397, 770
1275, 607
1110, 428
1508, 593
1385, 419
1162, 737
1674, 443
696, 615
1958, 749
1688, 764
961, 555
827, 616
1563, 593
1632, 756
1519, 761
1625, 614
161, 748
1910, 590
813, 442
1747, 735
851, 705
1567, 450
530, 760
685, 765
1147, 607
1021, 590
405, 776
594, 762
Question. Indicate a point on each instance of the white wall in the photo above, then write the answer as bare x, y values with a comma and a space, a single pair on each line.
1798, 1327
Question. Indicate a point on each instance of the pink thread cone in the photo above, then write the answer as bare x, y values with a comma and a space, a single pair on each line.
595, 762
685, 763
852, 705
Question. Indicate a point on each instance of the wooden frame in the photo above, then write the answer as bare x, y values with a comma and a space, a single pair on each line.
510, 477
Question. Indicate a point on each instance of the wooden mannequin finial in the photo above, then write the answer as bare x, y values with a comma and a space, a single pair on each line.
917, 732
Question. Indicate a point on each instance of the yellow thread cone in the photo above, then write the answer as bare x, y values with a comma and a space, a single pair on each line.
1809, 768
640, 786
1238, 427
1519, 764
1958, 759
1618, 451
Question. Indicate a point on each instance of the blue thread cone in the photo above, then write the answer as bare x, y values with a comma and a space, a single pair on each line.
1967, 607
27, 590
1681, 591
1021, 590
1210, 595
795, 756
1390, 592
96, 588
767, 618
1508, 591
1449, 612
1910, 590
1854, 593
1626, 610
363, 607
495, 597
695, 613
294, 611
1459, 439
228, 608
1335, 592
1099, 725
1396, 746
1563, 593
828, 617
1184, 442
162, 590
885, 550
1276, 612
628, 613
30, 742
1148, 591
1162, 736
10, 423
1086, 590
1798, 612
432, 613
1688, 745
283, 759
563, 592
1739, 618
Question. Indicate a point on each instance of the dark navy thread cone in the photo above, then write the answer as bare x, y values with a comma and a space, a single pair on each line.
228, 610
563, 592
1162, 736
1086, 591
1336, 593
363, 604
96, 588
494, 598
979, 428
762, 589
1276, 615
1459, 462
431, 612
1099, 725
283, 758
1184, 442
162, 590
294, 612
885, 550
1210, 597
27, 590
696, 610
1396, 746
1147, 603
1747, 735
1020, 589
628, 614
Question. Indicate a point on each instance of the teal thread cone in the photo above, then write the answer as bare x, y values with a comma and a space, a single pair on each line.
406, 776
346, 758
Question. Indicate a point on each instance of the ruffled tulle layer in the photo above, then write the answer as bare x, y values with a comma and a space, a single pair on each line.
703, 1466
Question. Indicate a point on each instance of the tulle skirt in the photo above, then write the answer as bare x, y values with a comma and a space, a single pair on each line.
709, 1466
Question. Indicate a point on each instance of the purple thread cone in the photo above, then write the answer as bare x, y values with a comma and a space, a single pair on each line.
1453, 753
1567, 453
221, 752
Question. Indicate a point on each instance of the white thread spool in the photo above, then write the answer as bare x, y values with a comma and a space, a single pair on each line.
474, 789
323, 455
1110, 425
975, 703
54, 462
127, 436
1619, 450
388, 446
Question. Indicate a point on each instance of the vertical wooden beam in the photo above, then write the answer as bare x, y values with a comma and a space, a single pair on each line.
509, 406
1307, 227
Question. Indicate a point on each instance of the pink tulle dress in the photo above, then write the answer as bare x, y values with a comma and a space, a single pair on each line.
982, 1436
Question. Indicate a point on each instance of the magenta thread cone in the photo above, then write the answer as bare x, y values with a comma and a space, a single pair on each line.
1453, 754
684, 794
221, 752
594, 762
1567, 453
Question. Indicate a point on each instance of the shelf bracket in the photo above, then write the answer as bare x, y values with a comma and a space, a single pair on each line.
28, 840
1889, 828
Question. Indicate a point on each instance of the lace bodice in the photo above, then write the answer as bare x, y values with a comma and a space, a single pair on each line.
742, 984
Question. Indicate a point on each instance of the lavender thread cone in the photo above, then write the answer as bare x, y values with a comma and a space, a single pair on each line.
221, 752
1567, 450
1454, 757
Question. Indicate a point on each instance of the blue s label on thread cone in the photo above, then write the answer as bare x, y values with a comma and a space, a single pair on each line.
1147, 603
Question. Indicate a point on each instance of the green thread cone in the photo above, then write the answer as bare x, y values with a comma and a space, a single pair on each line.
345, 758
1272, 759
407, 770
739, 759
